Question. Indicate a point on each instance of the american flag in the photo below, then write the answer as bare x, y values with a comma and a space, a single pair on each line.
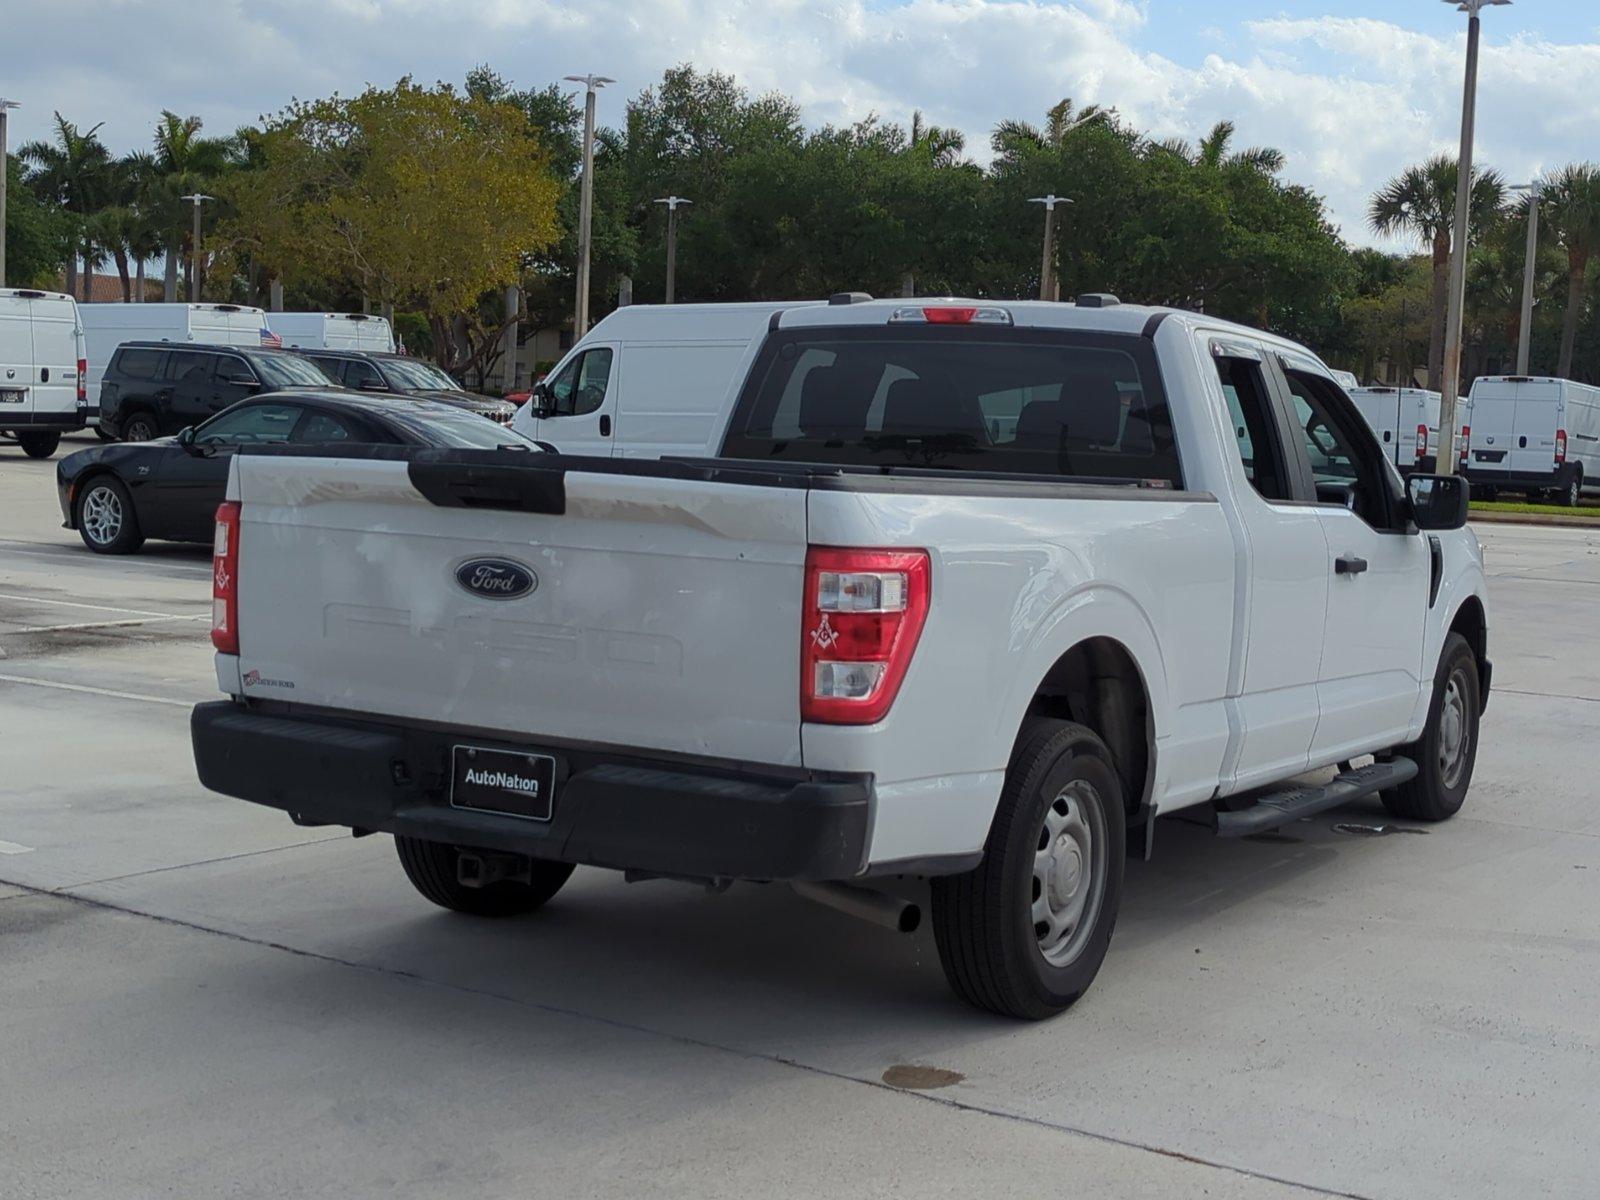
268, 338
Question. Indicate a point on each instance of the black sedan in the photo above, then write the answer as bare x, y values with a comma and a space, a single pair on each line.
402, 375
118, 495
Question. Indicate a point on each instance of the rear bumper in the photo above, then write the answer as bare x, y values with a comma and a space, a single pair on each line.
65, 422
613, 808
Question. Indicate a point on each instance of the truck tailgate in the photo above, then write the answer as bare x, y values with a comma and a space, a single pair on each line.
663, 613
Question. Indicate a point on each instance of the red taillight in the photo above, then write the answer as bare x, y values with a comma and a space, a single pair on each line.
1561, 446
1466, 440
1422, 442
949, 316
863, 614
83, 381
225, 579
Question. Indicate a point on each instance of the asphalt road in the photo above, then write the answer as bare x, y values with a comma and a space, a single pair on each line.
198, 998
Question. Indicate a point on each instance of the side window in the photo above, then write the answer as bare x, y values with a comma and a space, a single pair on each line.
139, 364
1346, 470
358, 373
325, 427
251, 425
185, 366
1244, 385
230, 368
581, 387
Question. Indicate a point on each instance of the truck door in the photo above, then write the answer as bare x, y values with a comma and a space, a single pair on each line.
581, 413
1378, 573
1277, 651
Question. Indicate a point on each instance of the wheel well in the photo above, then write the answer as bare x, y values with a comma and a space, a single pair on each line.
1471, 624
80, 484
1097, 684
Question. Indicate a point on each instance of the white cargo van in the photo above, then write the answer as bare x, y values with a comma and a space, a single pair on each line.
332, 331
651, 381
1406, 421
107, 326
41, 369
1535, 436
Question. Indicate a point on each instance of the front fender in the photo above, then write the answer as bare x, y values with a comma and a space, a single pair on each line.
1461, 578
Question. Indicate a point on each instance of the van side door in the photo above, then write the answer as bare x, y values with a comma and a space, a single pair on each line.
1378, 572
1282, 583
581, 413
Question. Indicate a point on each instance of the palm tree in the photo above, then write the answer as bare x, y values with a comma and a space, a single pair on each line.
1421, 202
1011, 136
944, 146
1573, 207
72, 170
183, 163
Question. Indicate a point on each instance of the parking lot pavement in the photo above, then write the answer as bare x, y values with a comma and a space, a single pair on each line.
196, 990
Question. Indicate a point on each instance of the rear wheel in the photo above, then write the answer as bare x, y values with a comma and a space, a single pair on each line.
1025, 932
39, 445
1572, 494
106, 521
434, 870
140, 427
1448, 748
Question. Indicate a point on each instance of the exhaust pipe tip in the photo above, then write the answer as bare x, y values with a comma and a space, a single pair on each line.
890, 912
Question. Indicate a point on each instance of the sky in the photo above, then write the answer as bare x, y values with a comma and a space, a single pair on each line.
1353, 91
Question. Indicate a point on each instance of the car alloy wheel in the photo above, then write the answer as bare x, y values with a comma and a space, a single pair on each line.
102, 517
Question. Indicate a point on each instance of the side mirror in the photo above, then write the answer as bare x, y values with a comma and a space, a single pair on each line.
242, 381
186, 438
1438, 501
539, 401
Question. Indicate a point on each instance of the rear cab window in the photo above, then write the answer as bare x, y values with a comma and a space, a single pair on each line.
1076, 405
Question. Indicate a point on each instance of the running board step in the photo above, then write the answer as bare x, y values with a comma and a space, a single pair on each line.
1277, 809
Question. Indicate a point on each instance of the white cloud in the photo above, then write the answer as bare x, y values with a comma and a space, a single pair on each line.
1351, 101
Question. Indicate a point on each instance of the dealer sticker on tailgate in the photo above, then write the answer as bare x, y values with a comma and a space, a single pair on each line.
503, 781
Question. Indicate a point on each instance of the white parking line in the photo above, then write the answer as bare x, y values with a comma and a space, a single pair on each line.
101, 624
96, 691
134, 612
14, 848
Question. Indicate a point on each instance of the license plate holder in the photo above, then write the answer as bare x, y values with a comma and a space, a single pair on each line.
510, 783
12, 395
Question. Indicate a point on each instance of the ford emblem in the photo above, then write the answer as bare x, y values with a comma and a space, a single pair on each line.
496, 578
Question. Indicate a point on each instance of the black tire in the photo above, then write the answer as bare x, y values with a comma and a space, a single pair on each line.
984, 923
103, 435
140, 427
1444, 760
106, 519
1571, 495
39, 445
432, 869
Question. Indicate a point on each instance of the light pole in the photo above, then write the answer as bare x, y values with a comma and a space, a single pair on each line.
196, 199
591, 84
672, 203
1525, 334
1047, 283
4, 104
1458, 252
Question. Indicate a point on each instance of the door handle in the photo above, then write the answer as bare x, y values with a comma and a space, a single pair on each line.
605, 425
1349, 564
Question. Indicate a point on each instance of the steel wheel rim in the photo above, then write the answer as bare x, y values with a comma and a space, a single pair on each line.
102, 515
139, 431
1455, 732
1069, 873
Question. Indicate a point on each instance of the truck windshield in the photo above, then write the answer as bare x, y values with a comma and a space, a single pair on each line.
1036, 402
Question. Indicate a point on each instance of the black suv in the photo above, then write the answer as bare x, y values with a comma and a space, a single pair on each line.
155, 388
372, 371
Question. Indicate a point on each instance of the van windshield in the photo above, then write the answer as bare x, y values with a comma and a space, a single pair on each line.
1036, 402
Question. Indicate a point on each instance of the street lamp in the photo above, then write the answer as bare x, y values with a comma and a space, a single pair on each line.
1047, 283
4, 104
591, 84
1525, 336
672, 203
1458, 254
196, 199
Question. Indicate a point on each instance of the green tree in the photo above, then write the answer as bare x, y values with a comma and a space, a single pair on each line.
39, 234
1420, 203
72, 171
1573, 204
182, 163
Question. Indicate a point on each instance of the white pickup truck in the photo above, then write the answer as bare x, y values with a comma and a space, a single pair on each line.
973, 593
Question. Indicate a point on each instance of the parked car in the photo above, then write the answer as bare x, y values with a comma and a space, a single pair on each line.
116, 496
41, 369
1406, 422
331, 331
401, 375
974, 592
1538, 436
108, 326
651, 380
152, 388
